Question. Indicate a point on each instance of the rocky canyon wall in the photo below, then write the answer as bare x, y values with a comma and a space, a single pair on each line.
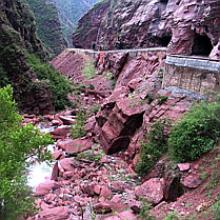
186, 27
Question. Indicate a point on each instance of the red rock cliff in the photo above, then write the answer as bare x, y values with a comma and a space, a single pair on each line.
186, 26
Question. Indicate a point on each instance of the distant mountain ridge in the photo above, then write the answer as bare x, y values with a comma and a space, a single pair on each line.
70, 11
48, 25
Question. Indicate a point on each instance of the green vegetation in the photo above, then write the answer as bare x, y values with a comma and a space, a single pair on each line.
57, 83
78, 128
70, 13
161, 100
95, 108
196, 133
216, 209
48, 25
95, 154
171, 216
17, 143
89, 70
144, 211
3, 77
153, 148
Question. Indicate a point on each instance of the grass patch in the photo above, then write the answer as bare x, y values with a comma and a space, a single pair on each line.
95, 154
89, 70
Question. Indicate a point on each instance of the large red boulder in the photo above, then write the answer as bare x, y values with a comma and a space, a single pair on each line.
57, 213
151, 190
71, 146
44, 188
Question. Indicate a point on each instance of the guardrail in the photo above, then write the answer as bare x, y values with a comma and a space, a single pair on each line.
200, 63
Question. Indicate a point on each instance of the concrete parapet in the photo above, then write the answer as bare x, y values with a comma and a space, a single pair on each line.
196, 74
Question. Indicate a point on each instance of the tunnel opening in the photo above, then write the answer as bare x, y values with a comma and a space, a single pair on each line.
164, 1
164, 41
202, 45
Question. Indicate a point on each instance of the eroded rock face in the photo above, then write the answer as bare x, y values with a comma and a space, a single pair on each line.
89, 24
195, 27
188, 27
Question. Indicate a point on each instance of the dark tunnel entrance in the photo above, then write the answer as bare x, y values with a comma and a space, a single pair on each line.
164, 41
202, 45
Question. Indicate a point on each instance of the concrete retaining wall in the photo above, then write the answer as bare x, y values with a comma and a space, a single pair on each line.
192, 73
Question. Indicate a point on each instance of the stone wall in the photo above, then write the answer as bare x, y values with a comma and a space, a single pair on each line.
194, 74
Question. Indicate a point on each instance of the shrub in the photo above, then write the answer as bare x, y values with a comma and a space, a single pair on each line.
216, 210
17, 143
153, 148
162, 99
58, 84
89, 70
144, 211
78, 128
171, 216
3, 77
196, 133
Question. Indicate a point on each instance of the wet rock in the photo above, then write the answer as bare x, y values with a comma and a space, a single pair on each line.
191, 181
57, 213
152, 190
75, 146
44, 188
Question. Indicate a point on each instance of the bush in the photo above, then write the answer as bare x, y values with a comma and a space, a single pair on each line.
78, 128
145, 211
17, 143
216, 209
3, 77
172, 216
58, 84
196, 133
162, 99
153, 149
89, 70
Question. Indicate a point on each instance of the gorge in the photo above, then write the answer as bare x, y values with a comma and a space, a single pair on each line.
121, 125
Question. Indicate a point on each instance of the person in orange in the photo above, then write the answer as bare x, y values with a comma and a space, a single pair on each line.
101, 61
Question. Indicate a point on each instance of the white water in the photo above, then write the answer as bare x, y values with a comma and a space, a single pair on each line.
38, 172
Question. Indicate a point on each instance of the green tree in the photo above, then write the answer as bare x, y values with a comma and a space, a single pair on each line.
17, 143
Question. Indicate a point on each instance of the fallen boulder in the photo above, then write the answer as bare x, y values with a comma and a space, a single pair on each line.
151, 190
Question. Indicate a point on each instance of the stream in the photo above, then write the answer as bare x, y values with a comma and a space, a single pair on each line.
38, 172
